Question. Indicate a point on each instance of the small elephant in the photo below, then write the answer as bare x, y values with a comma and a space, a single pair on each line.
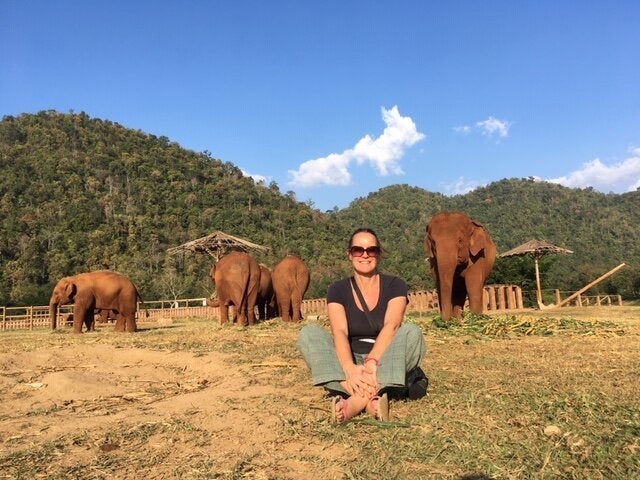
461, 254
103, 316
237, 280
101, 290
290, 282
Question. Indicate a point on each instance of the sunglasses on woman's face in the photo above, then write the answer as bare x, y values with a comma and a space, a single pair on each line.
357, 251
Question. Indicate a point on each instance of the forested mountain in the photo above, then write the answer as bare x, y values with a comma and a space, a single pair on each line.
78, 194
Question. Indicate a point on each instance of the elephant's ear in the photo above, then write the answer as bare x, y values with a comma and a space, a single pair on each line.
428, 245
478, 240
70, 290
212, 271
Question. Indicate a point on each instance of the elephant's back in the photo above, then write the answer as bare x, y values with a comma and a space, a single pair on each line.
236, 266
291, 270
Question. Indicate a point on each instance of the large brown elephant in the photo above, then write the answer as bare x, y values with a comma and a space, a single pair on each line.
102, 290
461, 254
290, 282
266, 300
237, 280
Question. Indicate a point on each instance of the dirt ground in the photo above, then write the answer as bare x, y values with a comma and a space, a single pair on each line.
100, 397
187, 399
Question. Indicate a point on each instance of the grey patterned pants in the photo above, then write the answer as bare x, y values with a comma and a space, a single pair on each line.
404, 354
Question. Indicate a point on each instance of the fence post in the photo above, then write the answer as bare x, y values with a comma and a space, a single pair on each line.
501, 299
4, 318
511, 298
492, 298
519, 298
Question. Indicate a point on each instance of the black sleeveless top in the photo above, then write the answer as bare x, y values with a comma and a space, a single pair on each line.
361, 335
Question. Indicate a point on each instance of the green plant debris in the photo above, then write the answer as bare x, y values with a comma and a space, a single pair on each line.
510, 325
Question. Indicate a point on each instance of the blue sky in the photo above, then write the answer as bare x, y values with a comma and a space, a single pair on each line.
336, 99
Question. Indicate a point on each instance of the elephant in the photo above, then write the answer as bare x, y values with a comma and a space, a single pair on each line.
101, 316
266, 299
461, 254
100, 290
290, 282
237, 280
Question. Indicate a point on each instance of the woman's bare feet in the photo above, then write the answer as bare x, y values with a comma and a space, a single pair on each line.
378, 407
347, 408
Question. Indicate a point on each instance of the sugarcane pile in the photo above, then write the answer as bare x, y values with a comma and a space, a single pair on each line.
511, 325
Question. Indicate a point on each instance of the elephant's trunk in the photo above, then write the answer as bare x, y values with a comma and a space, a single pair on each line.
446, 272
213, 303
444, 297
53, 314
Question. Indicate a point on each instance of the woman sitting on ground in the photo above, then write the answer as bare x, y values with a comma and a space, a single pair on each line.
366, 353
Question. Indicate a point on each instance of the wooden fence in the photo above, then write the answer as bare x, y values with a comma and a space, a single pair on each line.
496, 298
21, 318
591, 300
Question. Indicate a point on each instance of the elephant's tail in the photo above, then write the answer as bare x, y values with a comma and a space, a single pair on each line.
141, 301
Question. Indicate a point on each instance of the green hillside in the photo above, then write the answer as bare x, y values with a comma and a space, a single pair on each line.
79, 194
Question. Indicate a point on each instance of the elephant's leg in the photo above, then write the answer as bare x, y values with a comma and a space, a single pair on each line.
90, 323
224, 313
285, 308
251, 307
251, 315
296, 304
475, 288
130, 322
240, 308
120, 323
79, 316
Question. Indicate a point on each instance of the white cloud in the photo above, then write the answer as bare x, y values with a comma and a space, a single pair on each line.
460, 186
464, 129
383, 153
330, 170
256, 178
618, 177
491, 127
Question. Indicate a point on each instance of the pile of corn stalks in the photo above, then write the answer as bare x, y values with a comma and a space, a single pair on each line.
509, 325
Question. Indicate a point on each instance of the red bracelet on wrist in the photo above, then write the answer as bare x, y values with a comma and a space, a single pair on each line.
371, 359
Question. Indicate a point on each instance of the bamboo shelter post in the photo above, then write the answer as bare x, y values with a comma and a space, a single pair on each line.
538, 287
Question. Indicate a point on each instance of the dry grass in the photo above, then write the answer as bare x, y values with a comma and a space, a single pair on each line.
539, 395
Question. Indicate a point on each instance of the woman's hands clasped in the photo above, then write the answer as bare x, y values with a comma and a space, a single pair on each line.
362, 380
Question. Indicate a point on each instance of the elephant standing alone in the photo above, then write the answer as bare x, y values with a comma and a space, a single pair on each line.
237, 280
102, 290
461, 254
290, 282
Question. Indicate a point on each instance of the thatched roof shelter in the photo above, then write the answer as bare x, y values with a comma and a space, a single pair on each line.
536, 249
217, 244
